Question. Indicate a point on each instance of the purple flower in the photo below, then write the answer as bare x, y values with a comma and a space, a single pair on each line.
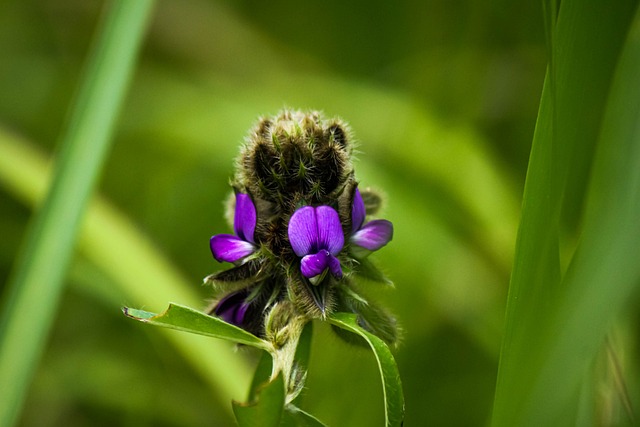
372, 235
315, 234
230, 248
233, 308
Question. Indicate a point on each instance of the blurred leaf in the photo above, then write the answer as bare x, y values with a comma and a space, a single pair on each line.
267, 410
556, 324
536, 266
189, 320
37, 280
604, 272
391, 384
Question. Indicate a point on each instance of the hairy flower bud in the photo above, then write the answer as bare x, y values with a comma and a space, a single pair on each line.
296, 156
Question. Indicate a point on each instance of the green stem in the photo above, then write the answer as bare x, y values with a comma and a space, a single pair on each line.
37, 281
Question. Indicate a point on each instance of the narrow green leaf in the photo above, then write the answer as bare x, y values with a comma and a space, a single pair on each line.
189, 320
267, 410
604, 273
37, 280
586, 124
536, 269
391, 384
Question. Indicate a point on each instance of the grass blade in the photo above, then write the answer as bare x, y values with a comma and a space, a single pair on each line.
539, 376
37, 280
604, 272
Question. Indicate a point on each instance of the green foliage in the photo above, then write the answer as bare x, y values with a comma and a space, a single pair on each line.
268, 394
556, 319
443, 111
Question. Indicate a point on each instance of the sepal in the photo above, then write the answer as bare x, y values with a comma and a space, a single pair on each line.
370, 317
282, 322
372, 201
367, 270
232, 278
314, 300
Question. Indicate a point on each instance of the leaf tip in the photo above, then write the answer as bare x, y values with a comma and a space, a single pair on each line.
132, 313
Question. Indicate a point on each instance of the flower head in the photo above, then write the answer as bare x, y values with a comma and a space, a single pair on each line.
232, 248
316, 235
297, 204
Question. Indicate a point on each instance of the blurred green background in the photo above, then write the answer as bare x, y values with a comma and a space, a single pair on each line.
442, 97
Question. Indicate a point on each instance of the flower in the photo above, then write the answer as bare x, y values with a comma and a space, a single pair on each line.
372, 235
233, 308
232, 248
315, 234
301, 235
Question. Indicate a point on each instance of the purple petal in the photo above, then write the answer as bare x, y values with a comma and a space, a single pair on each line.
313, 265
244, 220
358, 211
229, 248
232, 308
303, 231
374, 235
334, 266
330, 235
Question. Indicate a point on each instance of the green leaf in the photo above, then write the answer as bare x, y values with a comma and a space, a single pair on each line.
267, 410
587, 124
604, 273
38, 277
189, 320
391, 384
